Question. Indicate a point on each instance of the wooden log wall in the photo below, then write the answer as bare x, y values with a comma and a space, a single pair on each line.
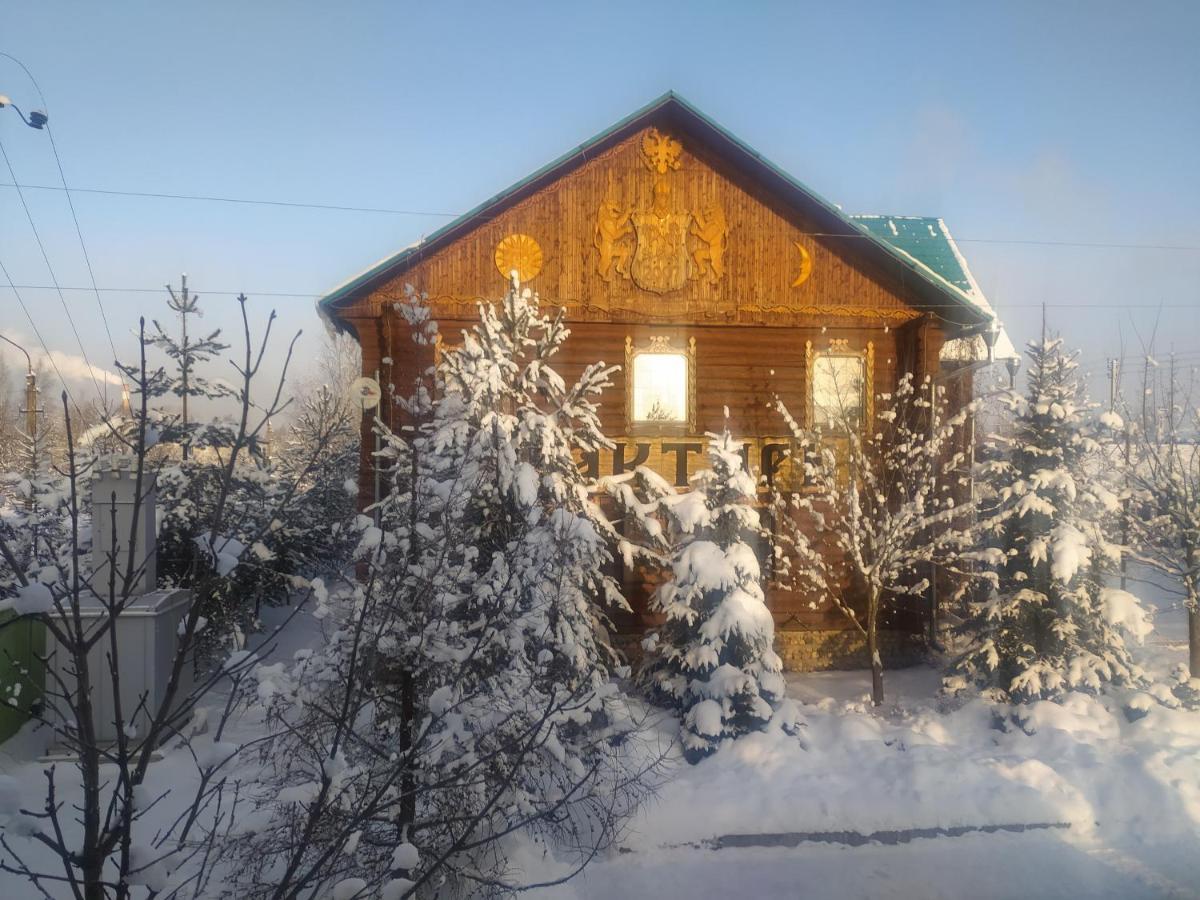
751, 315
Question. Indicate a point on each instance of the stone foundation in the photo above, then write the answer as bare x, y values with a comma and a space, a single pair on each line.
816, 651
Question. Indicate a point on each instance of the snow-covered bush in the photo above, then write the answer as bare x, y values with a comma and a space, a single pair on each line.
92, 827
320, 455
1049, 624
1157, 462
884, 495
188, 491
287, 512
713, 658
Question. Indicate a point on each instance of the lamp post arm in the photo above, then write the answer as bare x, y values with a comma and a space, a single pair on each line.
28, 358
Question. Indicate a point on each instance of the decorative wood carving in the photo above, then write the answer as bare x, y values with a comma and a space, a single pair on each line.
464, 306
519, 253
662, 244
660, 344
584, 225
709, 226
660, 151
612, 227
660, 257
805, 265
841, 347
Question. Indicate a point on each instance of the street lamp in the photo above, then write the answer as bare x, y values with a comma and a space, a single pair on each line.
36, 119
1013, 363
31, 406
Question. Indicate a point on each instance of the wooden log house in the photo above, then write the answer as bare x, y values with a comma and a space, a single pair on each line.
716, 281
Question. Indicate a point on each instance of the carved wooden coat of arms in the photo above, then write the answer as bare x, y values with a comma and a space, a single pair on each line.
659, 246
660, 257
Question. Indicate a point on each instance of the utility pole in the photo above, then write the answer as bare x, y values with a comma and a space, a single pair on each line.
1171, 401
1114, 380
31, 409
184, 305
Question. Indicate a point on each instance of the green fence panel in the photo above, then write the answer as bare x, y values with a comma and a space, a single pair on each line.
22, 673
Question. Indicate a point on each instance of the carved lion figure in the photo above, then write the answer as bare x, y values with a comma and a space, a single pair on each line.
710, 227
612, 224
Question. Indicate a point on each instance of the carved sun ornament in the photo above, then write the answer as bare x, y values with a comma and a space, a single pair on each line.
805, 266
520, 253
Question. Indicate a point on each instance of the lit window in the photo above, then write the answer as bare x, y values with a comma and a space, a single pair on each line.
659, 385
838, 392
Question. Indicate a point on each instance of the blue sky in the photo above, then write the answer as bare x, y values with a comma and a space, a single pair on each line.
1061, 122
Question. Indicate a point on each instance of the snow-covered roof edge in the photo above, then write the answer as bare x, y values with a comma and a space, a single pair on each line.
1003, 348
958, 348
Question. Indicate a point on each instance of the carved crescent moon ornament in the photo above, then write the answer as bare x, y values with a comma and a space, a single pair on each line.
519, 252
805, 266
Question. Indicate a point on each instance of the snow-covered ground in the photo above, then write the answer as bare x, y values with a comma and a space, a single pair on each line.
761, 817
1123, 799
776, 814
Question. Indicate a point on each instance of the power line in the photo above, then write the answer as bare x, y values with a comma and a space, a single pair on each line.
294, 204
82, 245
49, 268
381, 210
70, 203
305, 295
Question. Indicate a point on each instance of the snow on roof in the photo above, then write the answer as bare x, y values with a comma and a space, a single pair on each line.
928, 242
324, 312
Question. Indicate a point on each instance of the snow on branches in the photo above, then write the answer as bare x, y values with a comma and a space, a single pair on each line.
712, 659
886, 496
1048, 625
465, 692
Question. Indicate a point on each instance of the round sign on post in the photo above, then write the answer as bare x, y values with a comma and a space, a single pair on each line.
366, 392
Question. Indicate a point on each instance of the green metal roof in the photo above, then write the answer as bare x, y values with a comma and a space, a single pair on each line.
924, 238
930, 284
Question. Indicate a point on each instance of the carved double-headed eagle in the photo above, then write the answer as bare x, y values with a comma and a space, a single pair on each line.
659, 246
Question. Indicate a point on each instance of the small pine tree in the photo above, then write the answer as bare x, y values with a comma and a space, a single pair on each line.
713, 659
1049, 625
187, 353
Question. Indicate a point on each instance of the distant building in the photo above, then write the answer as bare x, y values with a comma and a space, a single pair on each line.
717, 281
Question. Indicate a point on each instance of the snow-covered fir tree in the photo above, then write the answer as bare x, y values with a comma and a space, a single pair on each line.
1049, 625
713, 659
467, 682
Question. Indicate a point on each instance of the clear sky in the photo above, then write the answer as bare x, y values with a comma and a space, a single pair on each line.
1047, 122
